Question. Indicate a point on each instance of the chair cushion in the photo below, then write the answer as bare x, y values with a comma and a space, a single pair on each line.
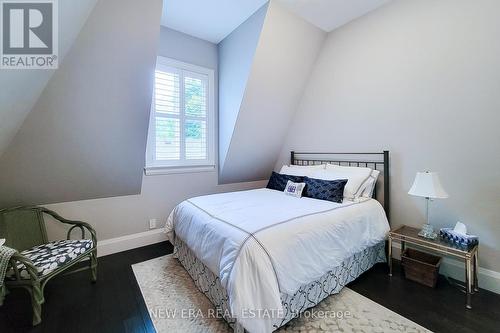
50, 256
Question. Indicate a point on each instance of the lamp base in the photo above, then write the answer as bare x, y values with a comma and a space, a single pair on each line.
428, 232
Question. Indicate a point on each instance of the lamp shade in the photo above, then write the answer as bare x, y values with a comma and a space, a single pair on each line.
427, 184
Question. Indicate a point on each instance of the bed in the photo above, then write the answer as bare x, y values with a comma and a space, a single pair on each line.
263, 257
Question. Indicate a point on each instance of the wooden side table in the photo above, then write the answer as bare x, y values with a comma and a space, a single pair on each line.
409, 235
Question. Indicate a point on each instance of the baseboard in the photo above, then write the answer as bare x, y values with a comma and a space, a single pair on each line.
488, 279
128, 242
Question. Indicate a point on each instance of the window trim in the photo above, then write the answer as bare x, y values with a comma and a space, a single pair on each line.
154, 167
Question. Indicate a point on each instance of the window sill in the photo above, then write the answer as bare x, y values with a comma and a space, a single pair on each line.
153, 171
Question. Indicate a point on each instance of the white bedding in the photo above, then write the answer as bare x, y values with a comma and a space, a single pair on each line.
263, 242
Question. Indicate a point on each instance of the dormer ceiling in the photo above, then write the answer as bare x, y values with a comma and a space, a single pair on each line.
209, 20
214, 20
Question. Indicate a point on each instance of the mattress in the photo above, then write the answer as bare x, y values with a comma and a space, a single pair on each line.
262, 244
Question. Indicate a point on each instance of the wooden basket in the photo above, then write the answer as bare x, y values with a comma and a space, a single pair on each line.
421, 267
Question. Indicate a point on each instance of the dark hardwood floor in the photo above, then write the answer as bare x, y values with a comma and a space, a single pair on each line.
115, 304
439, 310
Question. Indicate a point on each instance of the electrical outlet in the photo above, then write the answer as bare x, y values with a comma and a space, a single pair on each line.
152, 223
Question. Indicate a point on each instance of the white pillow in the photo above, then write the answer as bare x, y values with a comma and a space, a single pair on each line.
301, 170
356, 178
370, 184
294, 189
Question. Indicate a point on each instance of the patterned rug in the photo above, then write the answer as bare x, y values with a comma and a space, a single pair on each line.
175, 305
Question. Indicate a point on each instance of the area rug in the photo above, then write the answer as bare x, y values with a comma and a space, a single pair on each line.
176, 305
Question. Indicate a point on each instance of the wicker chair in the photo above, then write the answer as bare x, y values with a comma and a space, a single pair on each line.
38, 260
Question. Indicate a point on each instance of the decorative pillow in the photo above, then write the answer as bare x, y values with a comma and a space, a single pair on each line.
331, 190
294, 189
301, 170
356, 176
278, 181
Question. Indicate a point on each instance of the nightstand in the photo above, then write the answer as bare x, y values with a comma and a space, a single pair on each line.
409, 235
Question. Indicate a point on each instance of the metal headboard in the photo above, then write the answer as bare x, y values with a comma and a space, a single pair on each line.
377, 161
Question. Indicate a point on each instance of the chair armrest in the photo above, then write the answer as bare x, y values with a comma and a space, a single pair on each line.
75, 224
30, 267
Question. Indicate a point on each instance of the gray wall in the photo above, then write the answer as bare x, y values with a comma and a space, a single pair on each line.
284, 58
236, 54
119, 216
422, 79
86, 135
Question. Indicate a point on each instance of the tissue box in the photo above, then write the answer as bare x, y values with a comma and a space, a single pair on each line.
462, 241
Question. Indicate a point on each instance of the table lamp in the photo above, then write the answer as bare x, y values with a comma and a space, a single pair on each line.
427, 185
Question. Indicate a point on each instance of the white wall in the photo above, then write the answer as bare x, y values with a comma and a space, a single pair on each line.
236, 54
284, 58
421, 79
125, 215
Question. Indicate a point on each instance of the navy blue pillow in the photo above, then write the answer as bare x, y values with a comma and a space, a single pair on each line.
331, 190
278, 181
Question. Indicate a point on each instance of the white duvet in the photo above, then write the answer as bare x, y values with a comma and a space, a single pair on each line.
263, 242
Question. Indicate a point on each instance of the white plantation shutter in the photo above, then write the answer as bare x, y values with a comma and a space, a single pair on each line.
196, 116
181, 129
167, 104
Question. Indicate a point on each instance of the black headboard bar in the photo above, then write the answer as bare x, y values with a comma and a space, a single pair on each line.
387, 201
321, 158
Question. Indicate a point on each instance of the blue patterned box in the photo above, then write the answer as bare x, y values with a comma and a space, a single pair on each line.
459, 240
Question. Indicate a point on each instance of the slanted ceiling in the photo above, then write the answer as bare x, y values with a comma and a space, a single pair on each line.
20, 89
85, 137
284, 57
236, 55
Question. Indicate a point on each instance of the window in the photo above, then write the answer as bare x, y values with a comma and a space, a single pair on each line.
181, 130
